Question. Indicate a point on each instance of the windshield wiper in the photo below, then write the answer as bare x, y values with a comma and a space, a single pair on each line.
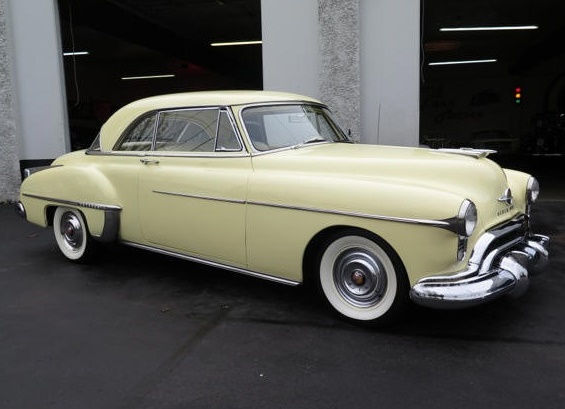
313, 139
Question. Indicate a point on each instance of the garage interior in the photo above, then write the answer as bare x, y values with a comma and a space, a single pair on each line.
508, 90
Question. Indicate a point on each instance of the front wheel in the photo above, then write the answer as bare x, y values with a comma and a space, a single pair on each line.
72, 236
362, 279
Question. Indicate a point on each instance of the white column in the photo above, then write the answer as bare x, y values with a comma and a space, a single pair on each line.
38, 79
291, 60
390, 71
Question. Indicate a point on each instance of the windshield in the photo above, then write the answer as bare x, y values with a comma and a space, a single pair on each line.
281, 126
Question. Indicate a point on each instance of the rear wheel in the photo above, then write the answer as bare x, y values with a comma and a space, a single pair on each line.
362, 278
72, 236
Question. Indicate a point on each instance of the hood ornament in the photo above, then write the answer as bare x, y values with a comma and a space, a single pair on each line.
475, 153
507, 197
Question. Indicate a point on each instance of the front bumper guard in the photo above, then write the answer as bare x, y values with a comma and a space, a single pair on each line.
498, 266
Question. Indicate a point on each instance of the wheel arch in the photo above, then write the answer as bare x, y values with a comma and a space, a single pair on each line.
316, 245
109, 232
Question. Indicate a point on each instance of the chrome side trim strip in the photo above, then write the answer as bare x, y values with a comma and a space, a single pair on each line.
214, 264
433, 223
445, 224
96, 206
215, 199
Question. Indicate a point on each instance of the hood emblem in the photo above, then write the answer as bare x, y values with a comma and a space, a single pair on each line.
507, 197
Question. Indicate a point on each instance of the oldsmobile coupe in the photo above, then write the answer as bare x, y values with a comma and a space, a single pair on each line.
267, 184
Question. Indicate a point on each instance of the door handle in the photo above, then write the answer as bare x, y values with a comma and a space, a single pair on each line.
147, 161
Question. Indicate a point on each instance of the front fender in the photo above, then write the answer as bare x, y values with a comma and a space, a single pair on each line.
518, 182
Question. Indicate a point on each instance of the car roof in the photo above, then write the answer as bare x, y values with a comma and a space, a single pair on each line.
218, 98
123, 117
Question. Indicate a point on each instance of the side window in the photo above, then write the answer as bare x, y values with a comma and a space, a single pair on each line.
95, 146
227, 139
192, 130
139, 137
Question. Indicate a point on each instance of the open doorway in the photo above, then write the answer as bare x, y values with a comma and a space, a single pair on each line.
117, 51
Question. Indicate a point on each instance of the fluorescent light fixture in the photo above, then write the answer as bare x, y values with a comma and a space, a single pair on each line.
462, 62
493, 28
236, 43
76, 53
148, 77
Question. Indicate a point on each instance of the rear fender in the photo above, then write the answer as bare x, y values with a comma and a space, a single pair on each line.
83, 188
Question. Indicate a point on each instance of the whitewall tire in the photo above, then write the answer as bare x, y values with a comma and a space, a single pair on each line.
361, 279
72, 236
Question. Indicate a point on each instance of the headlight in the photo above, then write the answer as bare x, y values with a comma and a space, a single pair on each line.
467, 217
532, 190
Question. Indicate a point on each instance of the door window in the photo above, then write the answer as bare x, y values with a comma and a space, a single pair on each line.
192, 130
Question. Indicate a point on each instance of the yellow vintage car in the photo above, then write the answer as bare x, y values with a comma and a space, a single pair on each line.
267, 184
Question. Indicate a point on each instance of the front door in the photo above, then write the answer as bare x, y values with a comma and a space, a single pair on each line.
193, 185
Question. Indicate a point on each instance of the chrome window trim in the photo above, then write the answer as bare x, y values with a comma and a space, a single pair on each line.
171, 154
152, 152
87, 205
243, 271
183, 109
234, 128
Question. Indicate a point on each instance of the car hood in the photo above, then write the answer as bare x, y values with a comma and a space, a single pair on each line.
457, 173
469, 177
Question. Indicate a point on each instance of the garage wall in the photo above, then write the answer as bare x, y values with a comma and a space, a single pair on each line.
9, 158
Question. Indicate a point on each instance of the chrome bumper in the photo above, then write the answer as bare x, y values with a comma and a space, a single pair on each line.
501, 263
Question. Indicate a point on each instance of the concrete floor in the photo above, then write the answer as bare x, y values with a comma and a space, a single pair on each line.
140, 330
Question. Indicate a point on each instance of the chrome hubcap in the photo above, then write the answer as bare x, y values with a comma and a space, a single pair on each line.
71, 230
359, 277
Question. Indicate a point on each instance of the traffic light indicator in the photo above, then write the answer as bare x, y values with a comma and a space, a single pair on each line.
518, 95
